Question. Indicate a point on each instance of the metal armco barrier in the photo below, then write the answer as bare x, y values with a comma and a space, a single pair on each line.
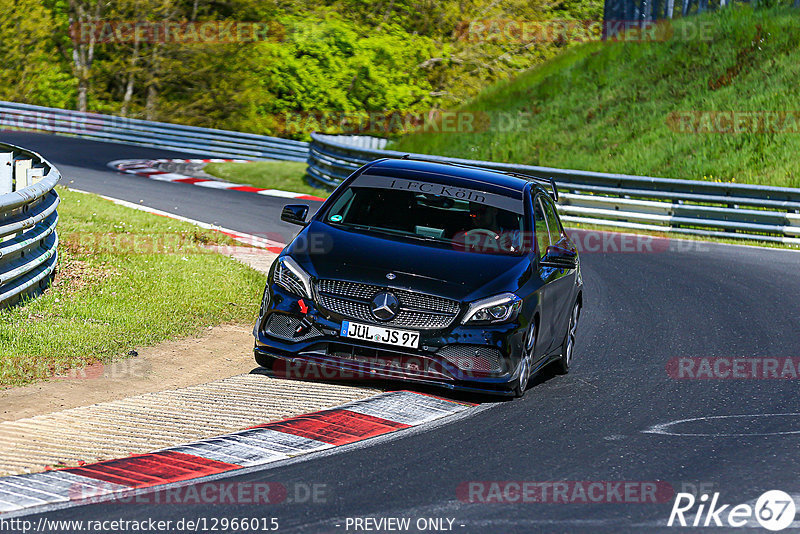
191, 139
692, 207
28, 218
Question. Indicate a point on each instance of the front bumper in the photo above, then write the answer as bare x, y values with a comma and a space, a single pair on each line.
480, 359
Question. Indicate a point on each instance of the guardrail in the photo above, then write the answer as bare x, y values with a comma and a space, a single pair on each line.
190, 139
691, 207
28, 218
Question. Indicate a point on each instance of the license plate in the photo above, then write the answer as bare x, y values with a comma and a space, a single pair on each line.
378, 334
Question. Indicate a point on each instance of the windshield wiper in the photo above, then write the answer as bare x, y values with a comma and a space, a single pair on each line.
392, 231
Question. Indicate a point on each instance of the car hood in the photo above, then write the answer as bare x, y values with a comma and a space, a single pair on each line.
328, 252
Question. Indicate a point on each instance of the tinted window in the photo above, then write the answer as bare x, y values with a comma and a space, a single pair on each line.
480, 224
540, 227
553, 224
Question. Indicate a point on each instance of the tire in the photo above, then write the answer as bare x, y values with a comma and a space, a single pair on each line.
563, 363
526, 362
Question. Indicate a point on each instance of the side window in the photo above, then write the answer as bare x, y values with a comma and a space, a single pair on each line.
540, 226
553, 224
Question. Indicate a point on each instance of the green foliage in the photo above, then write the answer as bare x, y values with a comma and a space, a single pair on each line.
322, 56
32, 70
325, 65
616, 107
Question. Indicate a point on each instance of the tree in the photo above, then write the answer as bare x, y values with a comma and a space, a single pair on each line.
82, 13
32, 69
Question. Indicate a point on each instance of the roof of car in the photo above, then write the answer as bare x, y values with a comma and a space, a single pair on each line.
450, 174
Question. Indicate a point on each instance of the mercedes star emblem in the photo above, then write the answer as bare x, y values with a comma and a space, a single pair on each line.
384, 306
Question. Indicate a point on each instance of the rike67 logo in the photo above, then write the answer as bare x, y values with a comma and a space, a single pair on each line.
774, 510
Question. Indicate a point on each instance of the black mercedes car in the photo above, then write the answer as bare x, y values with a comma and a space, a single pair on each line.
429, 272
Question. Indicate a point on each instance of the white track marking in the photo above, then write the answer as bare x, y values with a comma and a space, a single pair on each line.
277, 193
214, 185
663, 428
223, 450
148, 169
249, 239
24, 491
406, 407
247, 449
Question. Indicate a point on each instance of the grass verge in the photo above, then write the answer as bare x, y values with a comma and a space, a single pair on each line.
717, 100
284, 175
126, 279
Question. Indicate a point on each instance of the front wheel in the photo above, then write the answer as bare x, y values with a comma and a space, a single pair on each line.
526, 362
567, 348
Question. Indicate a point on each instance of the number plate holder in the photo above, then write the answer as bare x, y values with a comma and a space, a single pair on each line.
380, 334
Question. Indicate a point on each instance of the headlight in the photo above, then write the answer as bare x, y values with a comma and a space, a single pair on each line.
264, 302
291, 277
497, 309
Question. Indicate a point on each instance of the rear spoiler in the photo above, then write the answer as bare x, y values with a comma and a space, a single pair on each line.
549, 181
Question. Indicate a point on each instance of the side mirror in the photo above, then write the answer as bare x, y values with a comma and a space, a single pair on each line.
295, 214
561, 258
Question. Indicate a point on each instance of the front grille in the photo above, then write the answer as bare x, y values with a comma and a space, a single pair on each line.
473, 357
283, 327
417, 310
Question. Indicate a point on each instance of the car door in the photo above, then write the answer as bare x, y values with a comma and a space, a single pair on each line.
560, 280
548, 276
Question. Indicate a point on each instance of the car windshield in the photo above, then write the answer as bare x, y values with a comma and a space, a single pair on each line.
466, 219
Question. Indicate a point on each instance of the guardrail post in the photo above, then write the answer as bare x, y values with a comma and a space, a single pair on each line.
6, 172
35, 175
21, 167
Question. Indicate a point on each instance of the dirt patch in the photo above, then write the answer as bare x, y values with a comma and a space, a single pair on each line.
257, 258
224, 351
73, 275
744, 58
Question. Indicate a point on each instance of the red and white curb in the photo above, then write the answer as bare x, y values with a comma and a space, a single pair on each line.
263, 444
149, 169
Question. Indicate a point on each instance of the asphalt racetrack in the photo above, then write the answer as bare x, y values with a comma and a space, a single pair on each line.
608, 420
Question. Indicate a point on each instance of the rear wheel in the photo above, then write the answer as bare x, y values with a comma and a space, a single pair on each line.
526, 363
563, 363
